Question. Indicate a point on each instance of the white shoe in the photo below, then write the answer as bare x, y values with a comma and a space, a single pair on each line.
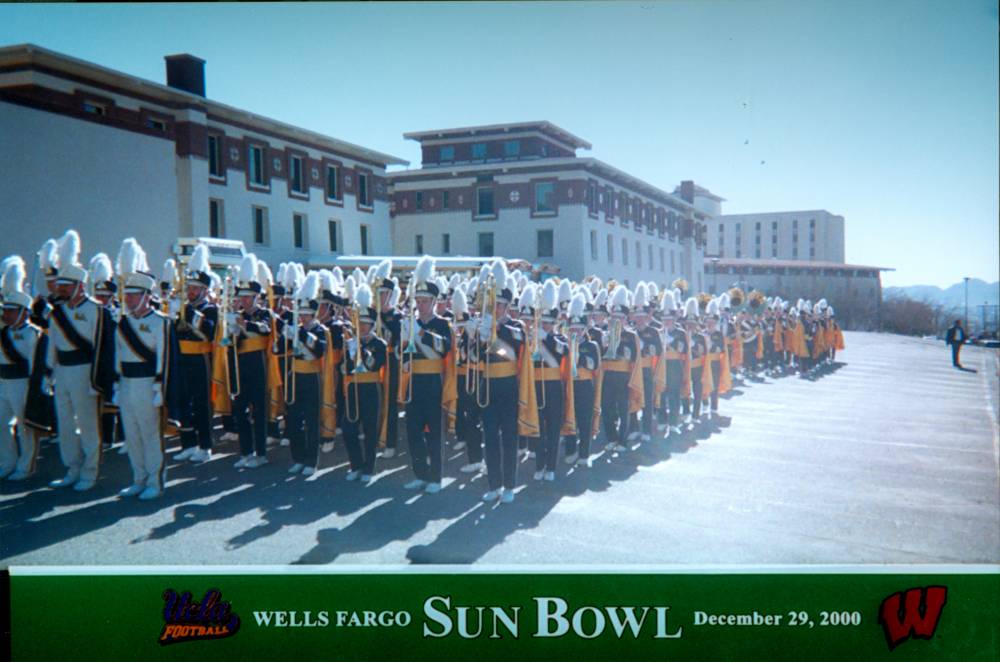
201, 455
713, 414
65, 481
550, 476
308, 471
295, 468
687, 420
508, 496
18, 475
285, 442
531, 455
243, 461
229, 436
389, 452
471, 468
416, 484
458, 445
619, 448
257, 461
123, 449
185, 454
366, 478
492, 495
571, 458
583, 462
84, 485
632, 436
432, 488
150, 493
539, 475
676, 429
326, 447
270, 441
131, 491
645, 438
352, 475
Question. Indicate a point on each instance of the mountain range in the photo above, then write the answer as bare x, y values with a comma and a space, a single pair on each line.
951, 298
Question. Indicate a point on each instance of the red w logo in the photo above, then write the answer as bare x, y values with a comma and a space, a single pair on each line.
916, 617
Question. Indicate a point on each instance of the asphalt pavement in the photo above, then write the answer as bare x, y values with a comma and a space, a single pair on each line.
890, 456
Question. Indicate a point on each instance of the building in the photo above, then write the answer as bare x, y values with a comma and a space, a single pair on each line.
114, 156
810, 236
519, 190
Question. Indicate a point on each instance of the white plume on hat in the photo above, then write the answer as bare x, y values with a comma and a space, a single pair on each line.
724, 302
350, 286
620, 296
565, 291
527, 300
424, 271
359, 276
550, 295
264, 276
100, 268
596, 286
654, 289
600, 298
454, 281
68, 252
169, 272
47, 255
308, 290
279, 276
363, 296
641, 296
585, 291
713, 307
12, 275
338, 274
459, 305
394, 295
799, 304
327, 281
499, 271
577, 304
691, 308
131, 257
669, 303
199, 259
512, 285
382, 270
248, 268
678, 296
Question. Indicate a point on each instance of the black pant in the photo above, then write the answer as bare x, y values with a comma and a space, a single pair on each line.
424, 411
302, 420
111, 428
583, 409
550, 421
614, 406
955, 349
750, 355
250, 406
500, 432
716, 376
467, 419
696, 373
392, 424
675, 377
647, 403
367, 398
197, 415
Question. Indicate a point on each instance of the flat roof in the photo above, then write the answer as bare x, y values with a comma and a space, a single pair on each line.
772, 262
799, 212
464, 131
30, 53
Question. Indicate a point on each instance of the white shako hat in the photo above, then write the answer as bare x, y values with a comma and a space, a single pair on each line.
12, 283
549, 302
199, 271
48, 263
68, 259
424, 283
134, 268
102, 275
307, 294
576, 311
247, 282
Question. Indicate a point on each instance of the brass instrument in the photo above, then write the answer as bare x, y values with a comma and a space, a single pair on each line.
536, 351
289, 389
574, 350
353, 414
615, 339
490, 303
225, 333
411, 345
475, 371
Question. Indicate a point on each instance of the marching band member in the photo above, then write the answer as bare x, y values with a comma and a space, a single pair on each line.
699, 349
363, 361
717, 359
425, 339
387, 327
145, 364
467, 414
81, 356
251, 326
621, 354
331, 316
104, 290
41, 306
585, 358
22, 352
677, 359
550, 350
196, 332
650, 350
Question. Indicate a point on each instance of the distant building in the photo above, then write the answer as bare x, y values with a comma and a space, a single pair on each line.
520, 191
114, 156
809, 236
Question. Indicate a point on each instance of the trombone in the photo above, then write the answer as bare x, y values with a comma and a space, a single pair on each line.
228, 295
489, 297
536, 350
615, 339
474, 372
406, 367
290, 359
357, 365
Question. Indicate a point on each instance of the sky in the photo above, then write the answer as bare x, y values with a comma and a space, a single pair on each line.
883, 112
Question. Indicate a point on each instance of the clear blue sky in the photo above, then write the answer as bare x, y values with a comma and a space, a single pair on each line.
884, 112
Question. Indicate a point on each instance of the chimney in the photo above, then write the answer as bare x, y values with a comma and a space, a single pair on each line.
687, 191
186, 72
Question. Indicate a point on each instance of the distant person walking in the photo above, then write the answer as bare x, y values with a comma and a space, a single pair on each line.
956, 338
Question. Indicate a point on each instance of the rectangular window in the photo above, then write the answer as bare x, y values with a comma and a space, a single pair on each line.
673, 264
445, 200
93, 108
611, 249
363, 195
418, 244
638, 255
593, 244
156, 125
663, 260
485, 244
812, 222
255, 160
447, 153
795, 252
446, 244
334, 236
259, 216
649, 254
215, 156
365, 248
592, 198
479, 150
756, 252
215, 220
484, 202
545, 197
420, 200
545, 241
511, 148
297, 176
332, 183
625, 252
299, 230
774, 250
812, 252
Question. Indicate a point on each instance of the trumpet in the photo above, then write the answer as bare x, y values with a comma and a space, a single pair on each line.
411, 349
225, 333
475, 371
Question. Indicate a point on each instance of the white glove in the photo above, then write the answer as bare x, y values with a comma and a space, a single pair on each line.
173, 308
484, 325
471, 325
231, 320
157, 395
114, 395
290, 332
352, 347
48, 386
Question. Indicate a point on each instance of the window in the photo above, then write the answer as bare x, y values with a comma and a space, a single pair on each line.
93, 108
663, 261
445, 244
812, 252
156, 125
299, 230
545, 197
256, 163
485, 244
592, 198
215, 228
332, 183
447, 153
638, 255
259, 216
297, 179
673, 265
545, 241
812, 222
484, 202
611, 249
795, 251
479, 150
363, 198
649, 254
334, 236
420, 200
795, 224
774, 250
511, 148
593, 244
445, 200
625, 252
756, 252
215, 156
418, 244
365, 248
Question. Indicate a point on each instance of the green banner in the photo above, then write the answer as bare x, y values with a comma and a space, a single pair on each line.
445, 615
